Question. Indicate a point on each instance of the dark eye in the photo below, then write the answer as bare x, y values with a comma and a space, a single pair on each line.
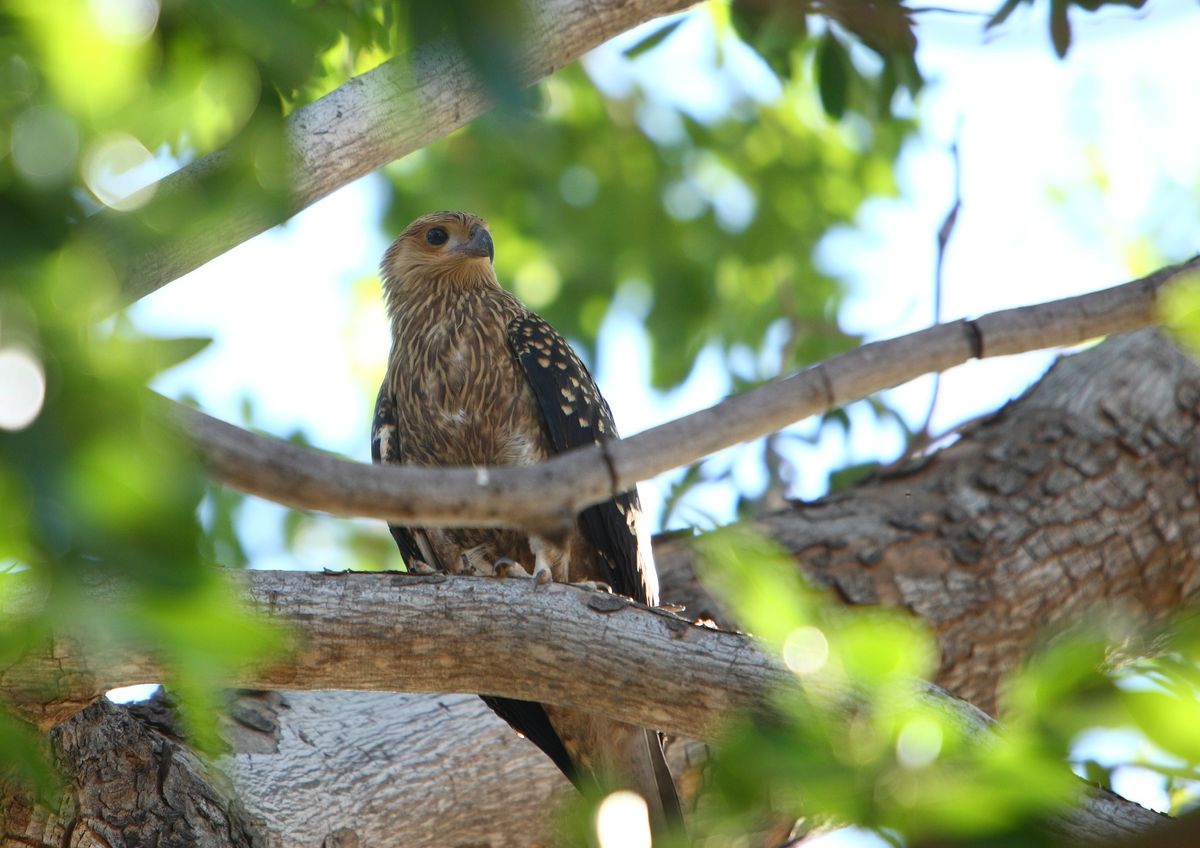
436, 236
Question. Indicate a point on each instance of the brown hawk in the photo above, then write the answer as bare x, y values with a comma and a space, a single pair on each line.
474, 379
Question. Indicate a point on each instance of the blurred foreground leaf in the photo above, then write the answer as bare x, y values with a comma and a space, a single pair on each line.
1179, 311
857, 743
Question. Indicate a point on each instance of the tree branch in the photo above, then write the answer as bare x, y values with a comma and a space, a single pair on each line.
546, 497
390, 632
399, 632
375, 118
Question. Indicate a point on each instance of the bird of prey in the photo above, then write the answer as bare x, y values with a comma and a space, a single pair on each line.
476, 379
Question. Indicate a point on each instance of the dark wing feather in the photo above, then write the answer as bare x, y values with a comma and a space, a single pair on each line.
530, 720
575, 415
385, 449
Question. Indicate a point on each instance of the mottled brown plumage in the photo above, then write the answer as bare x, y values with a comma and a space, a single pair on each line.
473, 379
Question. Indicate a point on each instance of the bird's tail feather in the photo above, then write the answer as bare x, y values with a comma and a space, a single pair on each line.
665, 811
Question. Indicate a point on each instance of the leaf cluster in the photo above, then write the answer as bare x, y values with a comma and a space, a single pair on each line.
860, 742
860, 739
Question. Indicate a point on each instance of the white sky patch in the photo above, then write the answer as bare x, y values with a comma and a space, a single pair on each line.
1112, 746
1030, 125
848, 837
131, 694
277, 307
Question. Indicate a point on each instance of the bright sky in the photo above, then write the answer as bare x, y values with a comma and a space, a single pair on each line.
1120, 112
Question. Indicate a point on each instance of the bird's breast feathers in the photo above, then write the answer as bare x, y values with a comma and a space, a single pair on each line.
461, 398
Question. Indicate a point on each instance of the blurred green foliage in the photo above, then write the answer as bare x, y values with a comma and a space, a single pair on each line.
1179, 311
859, 742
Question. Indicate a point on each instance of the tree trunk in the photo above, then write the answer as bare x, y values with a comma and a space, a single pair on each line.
129, 781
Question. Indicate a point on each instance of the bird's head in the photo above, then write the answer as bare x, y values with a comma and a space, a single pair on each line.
440, 249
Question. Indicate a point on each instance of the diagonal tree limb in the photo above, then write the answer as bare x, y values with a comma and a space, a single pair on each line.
396, 632
373, 119
546, 497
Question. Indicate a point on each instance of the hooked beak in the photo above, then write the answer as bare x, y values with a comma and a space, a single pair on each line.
479, 244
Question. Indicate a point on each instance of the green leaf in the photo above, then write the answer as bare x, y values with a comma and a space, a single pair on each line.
878, 647
653, 39
1001, 14
1060, 27
692, 476
833, 69
1097, 773
850, 475
758, 579
1178, 309
1170, 722
167, 353
489, 33
25, 759
773, 30
204, 635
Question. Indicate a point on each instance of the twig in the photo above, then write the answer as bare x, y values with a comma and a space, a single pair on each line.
923, 438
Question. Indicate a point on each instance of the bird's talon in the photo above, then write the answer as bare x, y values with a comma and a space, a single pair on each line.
505, 567
419, 567
594, 586
542, 577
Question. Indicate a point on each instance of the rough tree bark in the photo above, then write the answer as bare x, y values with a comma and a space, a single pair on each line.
1079, 495
129, 782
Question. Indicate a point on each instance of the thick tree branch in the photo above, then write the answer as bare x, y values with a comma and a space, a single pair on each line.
546, 497
399, 632
382, 115
391, 632
1078, 498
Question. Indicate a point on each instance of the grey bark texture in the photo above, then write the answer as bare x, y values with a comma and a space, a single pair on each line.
1079, 498
128, 781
